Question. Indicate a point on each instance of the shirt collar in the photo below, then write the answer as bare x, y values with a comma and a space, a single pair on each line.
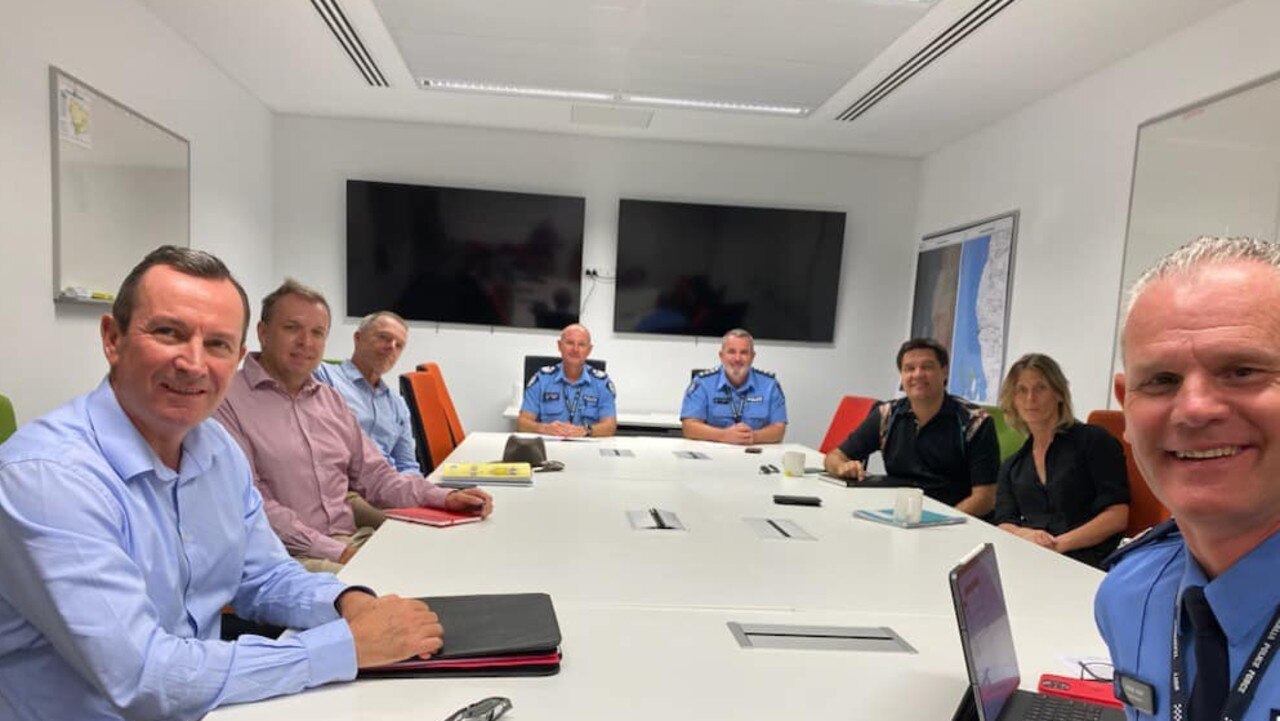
127, 451
1241, 604
560, 376
352, 372
258, 377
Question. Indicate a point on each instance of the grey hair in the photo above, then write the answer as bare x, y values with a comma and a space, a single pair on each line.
367, 322
1201, 251
738, 333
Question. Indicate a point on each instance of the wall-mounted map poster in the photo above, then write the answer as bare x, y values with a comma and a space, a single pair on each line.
962, 300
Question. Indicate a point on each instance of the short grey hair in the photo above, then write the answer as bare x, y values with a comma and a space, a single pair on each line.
738, 333
1203, 251
367, 322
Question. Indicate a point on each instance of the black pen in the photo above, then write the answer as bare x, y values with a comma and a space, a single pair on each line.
777, 528
764, 468
657, 518
774, 468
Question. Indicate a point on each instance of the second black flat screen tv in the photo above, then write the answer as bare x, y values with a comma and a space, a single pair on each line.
457, 255
694, 269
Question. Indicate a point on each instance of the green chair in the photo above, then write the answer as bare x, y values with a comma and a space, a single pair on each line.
1009, 439
8, 423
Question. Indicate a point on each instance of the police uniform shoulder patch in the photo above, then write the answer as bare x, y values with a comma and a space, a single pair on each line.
533, 380
1153, 536
612, 391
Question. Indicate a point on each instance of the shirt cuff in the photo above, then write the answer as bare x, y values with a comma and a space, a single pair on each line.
433, 496
331, 652
326, 547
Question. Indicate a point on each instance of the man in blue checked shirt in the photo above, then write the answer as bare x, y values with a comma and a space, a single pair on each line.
129, 520
570, 398
735, 403
380, 411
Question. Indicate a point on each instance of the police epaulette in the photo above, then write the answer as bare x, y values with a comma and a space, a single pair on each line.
764, 372
1155, 534
547, 369
598, 373
709, 372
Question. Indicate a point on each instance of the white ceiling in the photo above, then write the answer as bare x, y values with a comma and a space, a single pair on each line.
819, 53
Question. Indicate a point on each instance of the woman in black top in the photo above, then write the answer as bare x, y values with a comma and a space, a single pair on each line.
1066, 489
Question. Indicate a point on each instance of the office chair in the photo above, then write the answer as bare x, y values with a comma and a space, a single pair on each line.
850, 412
1145, 510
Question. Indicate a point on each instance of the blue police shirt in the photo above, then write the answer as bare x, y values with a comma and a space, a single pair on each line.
713, 400
550, 396
381, 413
115, 570
1135, 609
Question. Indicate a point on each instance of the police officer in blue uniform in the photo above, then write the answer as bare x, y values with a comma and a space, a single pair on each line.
1191, 611
570, 398
735, 403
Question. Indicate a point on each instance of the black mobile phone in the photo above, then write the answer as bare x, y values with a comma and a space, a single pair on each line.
784, 500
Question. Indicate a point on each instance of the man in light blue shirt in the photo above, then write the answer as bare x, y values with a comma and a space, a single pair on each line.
381, 412
736, 402
570, 398
129, 519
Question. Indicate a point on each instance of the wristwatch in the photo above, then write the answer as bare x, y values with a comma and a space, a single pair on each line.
588, 427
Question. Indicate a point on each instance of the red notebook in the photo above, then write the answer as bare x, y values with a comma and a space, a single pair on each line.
431, 516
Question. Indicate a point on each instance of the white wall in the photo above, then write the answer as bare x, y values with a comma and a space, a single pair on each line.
122, 50
314, 157
1066, 163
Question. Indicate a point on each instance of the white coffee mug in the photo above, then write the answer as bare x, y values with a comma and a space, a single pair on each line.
793, 463
908, 505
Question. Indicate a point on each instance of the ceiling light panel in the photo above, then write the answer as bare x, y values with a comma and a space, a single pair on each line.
751, 52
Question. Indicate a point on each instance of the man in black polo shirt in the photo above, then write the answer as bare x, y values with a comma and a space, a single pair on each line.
936, 441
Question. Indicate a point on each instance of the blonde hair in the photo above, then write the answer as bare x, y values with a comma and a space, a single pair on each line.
1053, 375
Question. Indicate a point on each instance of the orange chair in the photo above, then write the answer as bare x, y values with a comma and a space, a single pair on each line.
1145, 510
442, 391
851, 411
427, 414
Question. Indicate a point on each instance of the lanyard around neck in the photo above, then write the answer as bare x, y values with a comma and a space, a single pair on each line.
1242, 691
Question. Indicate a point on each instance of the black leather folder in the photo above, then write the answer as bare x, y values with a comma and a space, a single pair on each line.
491, 635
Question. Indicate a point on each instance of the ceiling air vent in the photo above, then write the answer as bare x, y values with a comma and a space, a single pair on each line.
944, 41
346, 35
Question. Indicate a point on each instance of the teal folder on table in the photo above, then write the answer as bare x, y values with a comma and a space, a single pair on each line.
927, 518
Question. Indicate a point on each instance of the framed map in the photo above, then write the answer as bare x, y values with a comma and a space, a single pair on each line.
962, 299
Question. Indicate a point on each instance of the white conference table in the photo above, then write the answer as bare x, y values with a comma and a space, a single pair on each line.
643, 613
642, 420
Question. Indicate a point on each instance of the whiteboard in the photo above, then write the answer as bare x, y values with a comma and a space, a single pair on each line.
121, 187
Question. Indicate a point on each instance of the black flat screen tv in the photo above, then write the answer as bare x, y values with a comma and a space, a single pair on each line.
694, 269
457, 255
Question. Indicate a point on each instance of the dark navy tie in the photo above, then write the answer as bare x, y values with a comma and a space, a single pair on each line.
1209, 690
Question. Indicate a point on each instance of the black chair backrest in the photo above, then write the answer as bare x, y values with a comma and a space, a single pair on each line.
421, 449
533, 362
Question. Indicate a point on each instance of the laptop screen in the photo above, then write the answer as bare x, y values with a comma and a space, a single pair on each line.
984, 631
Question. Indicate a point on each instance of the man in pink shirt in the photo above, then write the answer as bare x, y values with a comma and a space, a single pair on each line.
305, 445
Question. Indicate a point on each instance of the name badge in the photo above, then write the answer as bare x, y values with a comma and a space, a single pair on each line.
1138, 694
755, 399
550, 396
590, 399
722, 401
